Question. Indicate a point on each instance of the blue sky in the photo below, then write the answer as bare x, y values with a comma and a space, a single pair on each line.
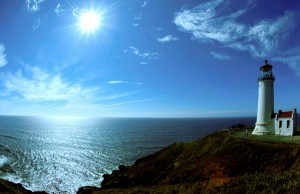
169, 58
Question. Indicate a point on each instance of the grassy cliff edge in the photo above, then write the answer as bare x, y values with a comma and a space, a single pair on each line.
217, 163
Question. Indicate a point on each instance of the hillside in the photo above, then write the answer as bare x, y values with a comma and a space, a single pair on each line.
217, 163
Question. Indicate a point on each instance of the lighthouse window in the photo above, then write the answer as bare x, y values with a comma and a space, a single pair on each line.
288, 124
280, 124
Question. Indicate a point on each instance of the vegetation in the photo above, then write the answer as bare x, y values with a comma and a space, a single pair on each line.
263, 183
218, 163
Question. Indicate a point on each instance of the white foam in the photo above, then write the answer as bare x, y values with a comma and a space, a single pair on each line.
17, 180
3, 160
8, 176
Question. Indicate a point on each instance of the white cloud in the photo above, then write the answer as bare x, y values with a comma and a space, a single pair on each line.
133, 101
34, 5
208, 24
43, 87
117, 82
268, 34
139, 17
144, 4
202, 22
144, 55
36, 24
33, 91
167, 38
3, 60
220, 56
76, 12
136, 19
144, 63
290, 57
116, 96
124, 82
58, 10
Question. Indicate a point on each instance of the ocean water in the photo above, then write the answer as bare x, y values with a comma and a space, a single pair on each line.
60, 155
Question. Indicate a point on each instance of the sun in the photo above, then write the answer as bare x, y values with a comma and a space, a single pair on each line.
89, 21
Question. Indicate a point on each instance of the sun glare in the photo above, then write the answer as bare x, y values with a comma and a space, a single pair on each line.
89, 21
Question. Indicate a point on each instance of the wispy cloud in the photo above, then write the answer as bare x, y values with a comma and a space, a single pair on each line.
117, 96
3, 60
203, 23
133, 101
41, 89
76, 12
167, 38
34, 90
117, 82
138, 17
144, 55
145, 3
290, 57
34, 5
267, 35
124, 82
136, 20
58, 10
208, 24
42, 86
219, 56
36, 24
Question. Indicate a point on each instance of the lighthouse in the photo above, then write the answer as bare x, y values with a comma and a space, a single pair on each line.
265, 109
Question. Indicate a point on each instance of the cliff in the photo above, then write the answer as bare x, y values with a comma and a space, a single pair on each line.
9, 188
217, 163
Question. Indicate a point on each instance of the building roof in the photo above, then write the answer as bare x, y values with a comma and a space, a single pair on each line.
288, 114
266, 66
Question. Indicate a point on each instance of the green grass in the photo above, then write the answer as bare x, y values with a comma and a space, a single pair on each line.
269, 138
267, 164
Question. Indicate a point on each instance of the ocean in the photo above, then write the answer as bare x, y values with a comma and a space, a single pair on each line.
59, 155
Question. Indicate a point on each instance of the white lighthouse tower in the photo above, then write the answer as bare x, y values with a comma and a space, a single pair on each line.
265, 107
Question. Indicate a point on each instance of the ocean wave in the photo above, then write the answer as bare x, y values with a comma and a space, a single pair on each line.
3, 160
7, 136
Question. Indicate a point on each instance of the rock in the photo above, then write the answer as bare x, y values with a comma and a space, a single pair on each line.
215, 158
122, 167
217, 163
105, 175
6, 168
13, 188
87, 190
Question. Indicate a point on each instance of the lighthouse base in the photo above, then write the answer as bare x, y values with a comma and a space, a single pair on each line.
262, 129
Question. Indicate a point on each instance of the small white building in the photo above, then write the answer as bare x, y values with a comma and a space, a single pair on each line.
285, 123
268, 122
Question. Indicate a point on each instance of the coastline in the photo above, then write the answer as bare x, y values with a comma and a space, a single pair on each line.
10, 187
216, 163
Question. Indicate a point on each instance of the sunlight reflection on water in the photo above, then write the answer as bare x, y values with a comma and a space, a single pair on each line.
63, 154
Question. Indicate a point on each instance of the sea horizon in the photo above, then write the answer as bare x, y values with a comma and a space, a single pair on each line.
46, 154
126, 117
